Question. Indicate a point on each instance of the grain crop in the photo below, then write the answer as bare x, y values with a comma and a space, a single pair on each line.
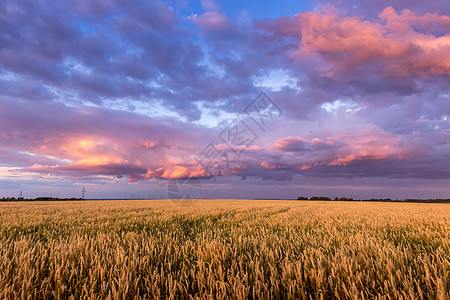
238, 249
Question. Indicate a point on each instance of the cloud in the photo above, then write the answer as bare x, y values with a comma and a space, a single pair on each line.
212, 21
210, 5
397, 50
78, 143
143, 53
343, 149
370, 9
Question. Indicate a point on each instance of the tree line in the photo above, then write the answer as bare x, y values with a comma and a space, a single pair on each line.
315, 198
11, 199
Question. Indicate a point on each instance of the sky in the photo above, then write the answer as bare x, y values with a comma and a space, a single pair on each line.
253, 99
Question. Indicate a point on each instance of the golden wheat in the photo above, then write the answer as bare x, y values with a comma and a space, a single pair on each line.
224, 249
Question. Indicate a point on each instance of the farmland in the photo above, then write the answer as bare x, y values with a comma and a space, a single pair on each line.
224, 248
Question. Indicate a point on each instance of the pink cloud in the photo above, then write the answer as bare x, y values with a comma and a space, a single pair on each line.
80, 143
112, 157
210, 5
212, 21
397, 45
344, 148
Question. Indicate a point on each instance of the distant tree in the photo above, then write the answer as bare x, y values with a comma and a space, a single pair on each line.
336, 199
345, 199
321, 198
302, 198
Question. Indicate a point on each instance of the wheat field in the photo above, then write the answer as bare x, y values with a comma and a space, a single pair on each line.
236, 249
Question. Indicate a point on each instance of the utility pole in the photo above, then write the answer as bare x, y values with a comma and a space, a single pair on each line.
84, 192
20, 196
